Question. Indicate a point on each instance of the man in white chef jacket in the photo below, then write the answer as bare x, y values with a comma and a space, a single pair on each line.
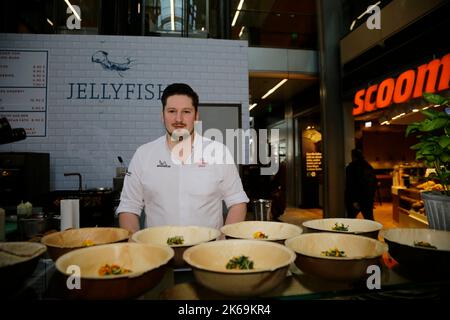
176, 178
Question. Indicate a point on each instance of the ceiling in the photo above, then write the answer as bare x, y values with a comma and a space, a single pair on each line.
277, 24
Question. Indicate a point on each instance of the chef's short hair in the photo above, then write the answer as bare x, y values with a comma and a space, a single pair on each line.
179, 89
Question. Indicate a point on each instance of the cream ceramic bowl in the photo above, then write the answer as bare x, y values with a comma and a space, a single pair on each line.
208, 261
59, 243
17, 262
192, 235
362, 227
146, 262
275, 231
361, 252
423, 260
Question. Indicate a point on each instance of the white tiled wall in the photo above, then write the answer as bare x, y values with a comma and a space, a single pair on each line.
87, 135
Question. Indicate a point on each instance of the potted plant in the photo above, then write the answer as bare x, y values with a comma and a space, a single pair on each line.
433, 149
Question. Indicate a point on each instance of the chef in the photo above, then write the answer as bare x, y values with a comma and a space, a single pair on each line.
175, 180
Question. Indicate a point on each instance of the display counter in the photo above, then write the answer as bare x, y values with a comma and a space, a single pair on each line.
180, 284
408, 208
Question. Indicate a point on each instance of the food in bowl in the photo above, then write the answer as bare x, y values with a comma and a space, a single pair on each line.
145, 265
209, 265
333, 253
59, 243
113, 269
87, 243
424, 244
241, 263
261, 230
190, 236
340, 227
175, 240
260, 235
346, 257
362, 227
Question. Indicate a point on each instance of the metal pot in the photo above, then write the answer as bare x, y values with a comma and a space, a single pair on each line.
31, 227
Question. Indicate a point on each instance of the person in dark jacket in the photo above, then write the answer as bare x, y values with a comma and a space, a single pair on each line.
360, 186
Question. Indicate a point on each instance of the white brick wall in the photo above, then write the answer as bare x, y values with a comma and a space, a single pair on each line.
87, 135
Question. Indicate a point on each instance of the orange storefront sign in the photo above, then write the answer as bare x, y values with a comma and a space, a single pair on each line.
431, 77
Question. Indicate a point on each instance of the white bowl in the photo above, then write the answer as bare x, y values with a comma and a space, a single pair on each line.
192, 235
275, 231
361, 252
146, 262
361, 227
209, 260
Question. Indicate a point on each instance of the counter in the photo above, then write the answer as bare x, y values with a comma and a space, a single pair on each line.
180, 284
402, 208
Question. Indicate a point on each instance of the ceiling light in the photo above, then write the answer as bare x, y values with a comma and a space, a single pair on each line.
252, 106
268, 93
368, 124
73, 10
385, 122
242, 31
369, 9
172, 15
415, 110
236, 14
50, 22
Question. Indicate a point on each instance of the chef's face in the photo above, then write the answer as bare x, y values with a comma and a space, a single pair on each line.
179, 116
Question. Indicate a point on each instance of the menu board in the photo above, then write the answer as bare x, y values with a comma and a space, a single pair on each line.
313, 163
23, 90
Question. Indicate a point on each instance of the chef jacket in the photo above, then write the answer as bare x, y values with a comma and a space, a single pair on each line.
175, 193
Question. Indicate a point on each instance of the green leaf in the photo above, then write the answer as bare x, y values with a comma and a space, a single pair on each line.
430, 113
431, 125
434, 98
445, 157
413, 127
444, 141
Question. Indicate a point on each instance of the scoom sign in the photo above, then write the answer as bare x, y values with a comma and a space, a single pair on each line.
430, 77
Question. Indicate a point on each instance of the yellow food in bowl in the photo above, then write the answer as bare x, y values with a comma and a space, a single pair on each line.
260, 235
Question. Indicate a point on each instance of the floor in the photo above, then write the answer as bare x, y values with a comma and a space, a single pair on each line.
382, 214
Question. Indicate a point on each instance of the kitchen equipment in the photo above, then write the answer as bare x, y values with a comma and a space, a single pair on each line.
59, 243
270, 260
261, 210
362, 227
360, 253
404, 247
96, 205
146, 263
25, 176
275, 231
192, 235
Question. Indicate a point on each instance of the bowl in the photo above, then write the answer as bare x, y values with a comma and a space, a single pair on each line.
270, 261
274, 231
420, 259
362, 227
192, 235
360, 253
146, 263
59, 243
18, 260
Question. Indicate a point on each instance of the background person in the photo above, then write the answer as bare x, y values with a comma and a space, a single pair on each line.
360, 186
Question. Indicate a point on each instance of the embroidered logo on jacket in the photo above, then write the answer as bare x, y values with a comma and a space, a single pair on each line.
162, 164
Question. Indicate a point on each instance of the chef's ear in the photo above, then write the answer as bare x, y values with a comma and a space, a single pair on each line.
197, 115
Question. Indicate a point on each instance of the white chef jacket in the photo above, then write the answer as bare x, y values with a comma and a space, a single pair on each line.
172, 193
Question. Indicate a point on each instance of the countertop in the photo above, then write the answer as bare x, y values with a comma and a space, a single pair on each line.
180, 284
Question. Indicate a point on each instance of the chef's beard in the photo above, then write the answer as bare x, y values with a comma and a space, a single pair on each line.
179, 134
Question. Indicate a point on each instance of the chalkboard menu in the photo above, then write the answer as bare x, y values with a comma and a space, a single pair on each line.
23, 90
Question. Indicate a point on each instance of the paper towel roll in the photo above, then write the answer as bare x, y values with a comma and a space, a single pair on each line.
70, 214
2, 224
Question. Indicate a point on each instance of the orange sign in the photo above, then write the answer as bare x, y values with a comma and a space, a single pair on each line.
410, 84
